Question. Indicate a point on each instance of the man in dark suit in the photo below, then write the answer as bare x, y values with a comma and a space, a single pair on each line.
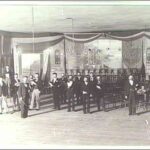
3, 94
77, 88
130, 94
99, 93
15, 86
63, 89
92, 84
8, 72
24, 96
85, 88
55, 84
8, 79
70, 95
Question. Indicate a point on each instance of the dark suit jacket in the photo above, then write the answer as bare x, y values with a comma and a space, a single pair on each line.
63, 85
38, 84
56, 86
70, 90
129, 87
9, 72
85, 88
92, 85
3, 89
24, 92
78, 84
99, 92
14, 87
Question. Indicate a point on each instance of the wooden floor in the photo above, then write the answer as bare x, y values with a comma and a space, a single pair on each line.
48, 127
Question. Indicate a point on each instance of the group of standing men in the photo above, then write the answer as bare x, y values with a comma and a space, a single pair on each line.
25, 94
80, 90
71, 90
77, 91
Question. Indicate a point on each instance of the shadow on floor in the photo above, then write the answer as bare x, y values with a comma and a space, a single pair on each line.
46, 102
143, 112
41, 113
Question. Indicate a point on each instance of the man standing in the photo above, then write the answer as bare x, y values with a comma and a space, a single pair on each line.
99, 92
15, 87
70, 95
36, 84
55, 84
8, 79
85, 93
63, 89
92, 84
130, 93
77, 88
24, 97
3, 94
30, 80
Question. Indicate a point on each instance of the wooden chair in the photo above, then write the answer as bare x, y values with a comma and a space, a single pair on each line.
141, 101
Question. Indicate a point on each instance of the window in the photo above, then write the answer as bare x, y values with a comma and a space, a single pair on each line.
57, 56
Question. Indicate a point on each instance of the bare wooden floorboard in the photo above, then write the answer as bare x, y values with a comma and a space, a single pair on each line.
50, 127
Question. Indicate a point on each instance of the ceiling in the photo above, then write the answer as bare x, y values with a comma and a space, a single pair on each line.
84, 18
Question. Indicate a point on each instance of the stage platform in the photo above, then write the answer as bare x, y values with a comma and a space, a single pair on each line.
49, 128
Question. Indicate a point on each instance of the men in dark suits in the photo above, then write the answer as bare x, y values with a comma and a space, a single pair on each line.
3, 94
99, 92
15, 87
55, 84
130, 94
85, 88
77, 88
36, 84
23, 94
63, 89
70, 95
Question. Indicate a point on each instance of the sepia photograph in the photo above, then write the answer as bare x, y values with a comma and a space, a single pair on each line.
74, 74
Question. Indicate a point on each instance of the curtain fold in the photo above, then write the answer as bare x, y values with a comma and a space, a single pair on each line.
42, 43
45, 63
131, 37
132, 54
38, 47
85, 40
37, 39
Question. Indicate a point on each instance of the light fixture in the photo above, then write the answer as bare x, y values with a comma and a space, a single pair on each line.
72, 25
33, 31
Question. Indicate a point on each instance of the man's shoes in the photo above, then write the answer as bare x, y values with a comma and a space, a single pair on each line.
12, 112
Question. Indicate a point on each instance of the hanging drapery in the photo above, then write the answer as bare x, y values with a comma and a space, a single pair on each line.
131, 37
45, 42
45, 63
37, 39
38, 46
132, 54
84, 40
